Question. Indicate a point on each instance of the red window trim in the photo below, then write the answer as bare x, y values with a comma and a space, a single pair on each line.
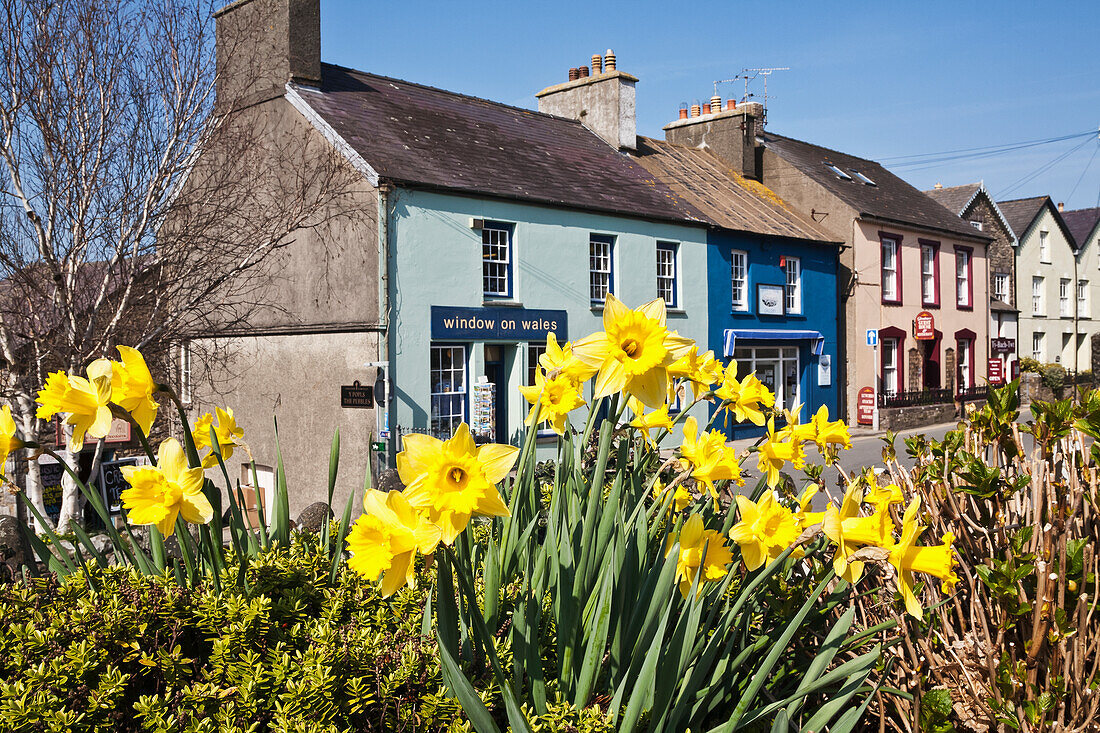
897, 334
935, 302
969, 277
896, 238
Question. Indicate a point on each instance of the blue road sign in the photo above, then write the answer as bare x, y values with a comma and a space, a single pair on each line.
872, 337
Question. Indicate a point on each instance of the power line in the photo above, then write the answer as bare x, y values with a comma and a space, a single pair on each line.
1082, 176
988, 149
1040, 170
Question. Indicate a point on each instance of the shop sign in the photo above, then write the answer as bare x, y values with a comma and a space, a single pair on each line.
112, 484
120, 433
356, 395
497, 324
996, 370
865, 406
924, 327
1002, 345
771, 300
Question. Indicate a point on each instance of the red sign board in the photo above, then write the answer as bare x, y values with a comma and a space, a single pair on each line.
996, 371
865, 406
120, 433
924, 327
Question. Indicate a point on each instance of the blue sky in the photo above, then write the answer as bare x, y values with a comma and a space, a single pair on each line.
879, 80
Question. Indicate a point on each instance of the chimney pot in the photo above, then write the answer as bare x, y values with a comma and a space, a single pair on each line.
574, 74
1061, 206
597, 64
731, 104
683, 111
695, 111
938, 186
706, 108
609, 60
582, 72
716, 104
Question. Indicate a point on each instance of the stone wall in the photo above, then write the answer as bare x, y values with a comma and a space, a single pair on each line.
1002, 257
907, 418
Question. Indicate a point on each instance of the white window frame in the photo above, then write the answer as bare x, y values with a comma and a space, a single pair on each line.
1063, 298
965, 367
186, 390
1044, 247
747, 358
1038, 306
962, 278
535, 349
977, 225
890, 366
436, 416
601, 267
491, 259
1037, 346
739, 279
668, 270
889, 245
1083, 298
792, 289
928, 274
1000, 286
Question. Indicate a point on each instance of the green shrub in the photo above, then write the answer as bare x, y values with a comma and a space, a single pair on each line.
292, 652
1027, 364
1053, 377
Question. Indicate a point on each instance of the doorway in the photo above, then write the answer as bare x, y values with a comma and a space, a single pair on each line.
495, 374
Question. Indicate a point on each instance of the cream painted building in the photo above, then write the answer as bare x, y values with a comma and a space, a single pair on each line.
1052, 289
1084, 226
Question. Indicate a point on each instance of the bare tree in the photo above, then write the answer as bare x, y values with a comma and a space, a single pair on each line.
113, 227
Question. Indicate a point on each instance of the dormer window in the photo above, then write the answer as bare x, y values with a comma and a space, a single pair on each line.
977, 225
867, 181
839, 173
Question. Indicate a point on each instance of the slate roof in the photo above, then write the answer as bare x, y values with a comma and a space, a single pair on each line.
422, 136
890, 199
723, 196
1081, 223
954, 198
1021, 212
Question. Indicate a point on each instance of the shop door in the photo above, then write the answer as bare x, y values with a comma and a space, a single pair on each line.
495, 373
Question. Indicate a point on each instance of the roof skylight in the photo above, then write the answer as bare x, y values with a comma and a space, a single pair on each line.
839, 173
863, 178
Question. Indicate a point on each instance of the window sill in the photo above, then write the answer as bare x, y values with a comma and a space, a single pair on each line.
501, 303
596, 308
1038, 315
675, 312
891, 302
930, 306
964, 307
741, 312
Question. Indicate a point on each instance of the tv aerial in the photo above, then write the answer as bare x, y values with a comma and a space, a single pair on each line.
750, 75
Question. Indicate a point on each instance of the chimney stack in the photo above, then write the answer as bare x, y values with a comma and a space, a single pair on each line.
602, 102
730, 133
938, 186
262, 45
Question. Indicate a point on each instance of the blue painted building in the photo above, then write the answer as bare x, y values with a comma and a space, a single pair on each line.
771, 277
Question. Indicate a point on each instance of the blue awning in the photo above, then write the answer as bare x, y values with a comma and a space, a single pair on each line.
771, 334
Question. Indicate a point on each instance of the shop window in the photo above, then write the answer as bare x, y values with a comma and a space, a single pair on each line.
601, 267
666, 273
1063, 298
496, 260
1038, 308
890, 380
739, 266
448, 389
534, 352
964, 289
930, 273
792, 269
891, 270
777, 367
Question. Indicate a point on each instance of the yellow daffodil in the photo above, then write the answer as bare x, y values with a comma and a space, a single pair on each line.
700, 550
850, 531
385, 540
745, 398
8, 441
633, 352
560, 360
881, 497
681, 498
86, 400
454, 479
775, 452
907, 558
229, 435
133, 386
655, 420
765, 529
158, 494
708, 457
829, 433
805, 517
794, 430
700, 371
553, 399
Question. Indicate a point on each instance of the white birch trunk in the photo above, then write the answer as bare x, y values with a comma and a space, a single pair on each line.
71, 503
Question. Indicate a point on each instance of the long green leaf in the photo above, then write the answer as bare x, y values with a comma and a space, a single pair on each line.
826, 652
596, 642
